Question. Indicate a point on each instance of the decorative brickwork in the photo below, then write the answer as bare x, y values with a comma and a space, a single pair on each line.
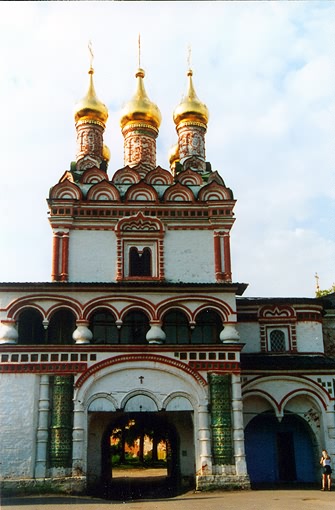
89, 145
220, 397
140, 146
210, 365
129, 358
191, 142
42, 368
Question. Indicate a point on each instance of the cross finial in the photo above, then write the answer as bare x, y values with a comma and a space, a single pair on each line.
316, 276
139, 50
189, 56
91, 53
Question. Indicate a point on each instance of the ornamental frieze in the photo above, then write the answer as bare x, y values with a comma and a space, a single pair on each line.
42, 368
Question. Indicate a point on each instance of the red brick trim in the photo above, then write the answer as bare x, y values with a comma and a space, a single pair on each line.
42, 368
131, 358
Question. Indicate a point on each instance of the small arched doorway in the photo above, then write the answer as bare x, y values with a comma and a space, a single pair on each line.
280, 452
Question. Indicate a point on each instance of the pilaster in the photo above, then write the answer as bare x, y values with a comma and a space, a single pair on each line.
42, 428
78, 452
204, 440
238, 428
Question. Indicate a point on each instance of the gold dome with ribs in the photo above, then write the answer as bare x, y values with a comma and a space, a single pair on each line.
140, 108
90, 108
191, 109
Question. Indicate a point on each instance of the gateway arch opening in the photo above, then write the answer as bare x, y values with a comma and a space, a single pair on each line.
142, 453
140, 456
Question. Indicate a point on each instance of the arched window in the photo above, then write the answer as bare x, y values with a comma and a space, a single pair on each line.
139, 262
208, 328
277, 340
176, 327
103, 327
30, 327
135, 327
61, 326
141, 248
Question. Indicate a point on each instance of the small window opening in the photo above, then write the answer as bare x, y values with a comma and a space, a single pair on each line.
139, 262
277, 340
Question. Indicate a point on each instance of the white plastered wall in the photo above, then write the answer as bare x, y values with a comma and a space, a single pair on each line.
189, 256
249, 335
92, 256
18, 418
309, 337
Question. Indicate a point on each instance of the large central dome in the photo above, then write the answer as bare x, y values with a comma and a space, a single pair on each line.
140, 108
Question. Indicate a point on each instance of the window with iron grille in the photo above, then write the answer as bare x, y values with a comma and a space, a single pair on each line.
277, 341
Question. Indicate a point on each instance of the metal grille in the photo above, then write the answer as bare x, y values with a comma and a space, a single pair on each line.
277, 340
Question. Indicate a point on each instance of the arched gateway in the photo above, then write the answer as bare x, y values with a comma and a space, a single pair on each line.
140, 454
125, 405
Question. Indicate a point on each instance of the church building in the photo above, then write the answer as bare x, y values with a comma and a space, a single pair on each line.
143, 332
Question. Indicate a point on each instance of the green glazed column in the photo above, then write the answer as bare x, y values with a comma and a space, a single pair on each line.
61, 422
221, 418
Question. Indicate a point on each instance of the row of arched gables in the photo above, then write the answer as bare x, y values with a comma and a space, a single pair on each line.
131, 325
136, 188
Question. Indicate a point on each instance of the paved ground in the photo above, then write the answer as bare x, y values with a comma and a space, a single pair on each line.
243, 500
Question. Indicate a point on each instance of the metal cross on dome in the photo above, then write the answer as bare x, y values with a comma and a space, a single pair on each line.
139, 50
90, 49
189, 56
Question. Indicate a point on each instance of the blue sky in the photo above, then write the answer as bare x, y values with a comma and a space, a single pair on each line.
265, 71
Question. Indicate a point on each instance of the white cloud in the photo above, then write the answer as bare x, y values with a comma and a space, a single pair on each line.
312, 82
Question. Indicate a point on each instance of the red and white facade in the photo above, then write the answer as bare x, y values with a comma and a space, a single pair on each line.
141, 312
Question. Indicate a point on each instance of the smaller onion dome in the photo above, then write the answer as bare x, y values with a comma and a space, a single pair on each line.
90, 108
140, 108
173, 154
191, 109
106, 153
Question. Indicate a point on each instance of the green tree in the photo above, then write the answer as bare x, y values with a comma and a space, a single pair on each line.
321, 293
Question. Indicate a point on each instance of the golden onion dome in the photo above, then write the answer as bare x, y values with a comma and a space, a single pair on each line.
173, 154
90, 108
106, 153
191, 109
140, 108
